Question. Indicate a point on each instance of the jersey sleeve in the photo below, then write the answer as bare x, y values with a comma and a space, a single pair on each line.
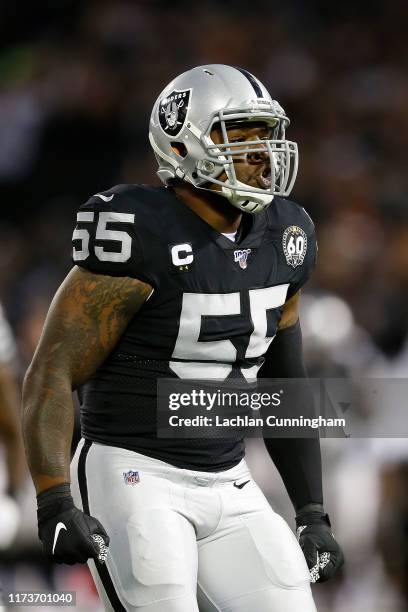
106, 239
304, 270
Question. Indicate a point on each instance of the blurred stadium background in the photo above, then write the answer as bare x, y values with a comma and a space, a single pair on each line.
77, 82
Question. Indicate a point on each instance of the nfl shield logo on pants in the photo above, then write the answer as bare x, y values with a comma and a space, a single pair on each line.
131, 478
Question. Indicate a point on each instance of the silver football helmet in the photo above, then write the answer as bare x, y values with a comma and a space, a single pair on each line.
180, 134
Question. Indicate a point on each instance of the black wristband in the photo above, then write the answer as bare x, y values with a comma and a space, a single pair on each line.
312, 507
53, 501
53, 494
312, 518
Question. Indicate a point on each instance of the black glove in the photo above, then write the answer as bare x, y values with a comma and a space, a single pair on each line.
322, 553
68, 535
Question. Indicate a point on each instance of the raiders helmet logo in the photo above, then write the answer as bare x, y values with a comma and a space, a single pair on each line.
173, 111
294, 243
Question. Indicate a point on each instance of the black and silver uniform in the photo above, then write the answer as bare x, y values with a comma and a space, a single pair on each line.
213, 312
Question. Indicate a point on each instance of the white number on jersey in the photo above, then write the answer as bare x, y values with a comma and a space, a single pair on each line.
103, 233
215, 359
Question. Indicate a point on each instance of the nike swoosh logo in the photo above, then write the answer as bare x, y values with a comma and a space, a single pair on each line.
242, 485
104, 198
57, 531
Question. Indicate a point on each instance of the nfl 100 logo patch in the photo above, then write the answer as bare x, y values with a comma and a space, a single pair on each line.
131, 478
294, 243
241, 257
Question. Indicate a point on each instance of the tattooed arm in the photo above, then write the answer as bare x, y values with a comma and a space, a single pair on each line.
87, 316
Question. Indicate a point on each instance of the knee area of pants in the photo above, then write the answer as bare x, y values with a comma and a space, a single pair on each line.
282, 557
158, 565
162, 600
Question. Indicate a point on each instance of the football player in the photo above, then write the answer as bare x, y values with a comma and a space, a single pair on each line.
10, 434
189, 280
11, 443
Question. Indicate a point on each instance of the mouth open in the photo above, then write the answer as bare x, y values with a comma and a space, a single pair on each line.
264, 179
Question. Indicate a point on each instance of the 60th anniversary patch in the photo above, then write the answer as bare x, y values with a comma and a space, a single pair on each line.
173, 111
294, 243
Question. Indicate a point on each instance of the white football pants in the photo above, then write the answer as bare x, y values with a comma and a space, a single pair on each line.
186, 541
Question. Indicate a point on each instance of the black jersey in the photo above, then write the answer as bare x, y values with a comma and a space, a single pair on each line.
213, 312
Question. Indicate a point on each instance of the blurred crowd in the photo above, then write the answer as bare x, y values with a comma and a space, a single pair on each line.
77, 83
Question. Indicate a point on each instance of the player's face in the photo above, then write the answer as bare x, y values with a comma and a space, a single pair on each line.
253, 169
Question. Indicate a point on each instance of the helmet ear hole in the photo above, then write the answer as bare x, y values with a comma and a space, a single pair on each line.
179, 148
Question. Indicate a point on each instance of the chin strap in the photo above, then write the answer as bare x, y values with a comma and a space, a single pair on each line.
251, 202
246, 200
